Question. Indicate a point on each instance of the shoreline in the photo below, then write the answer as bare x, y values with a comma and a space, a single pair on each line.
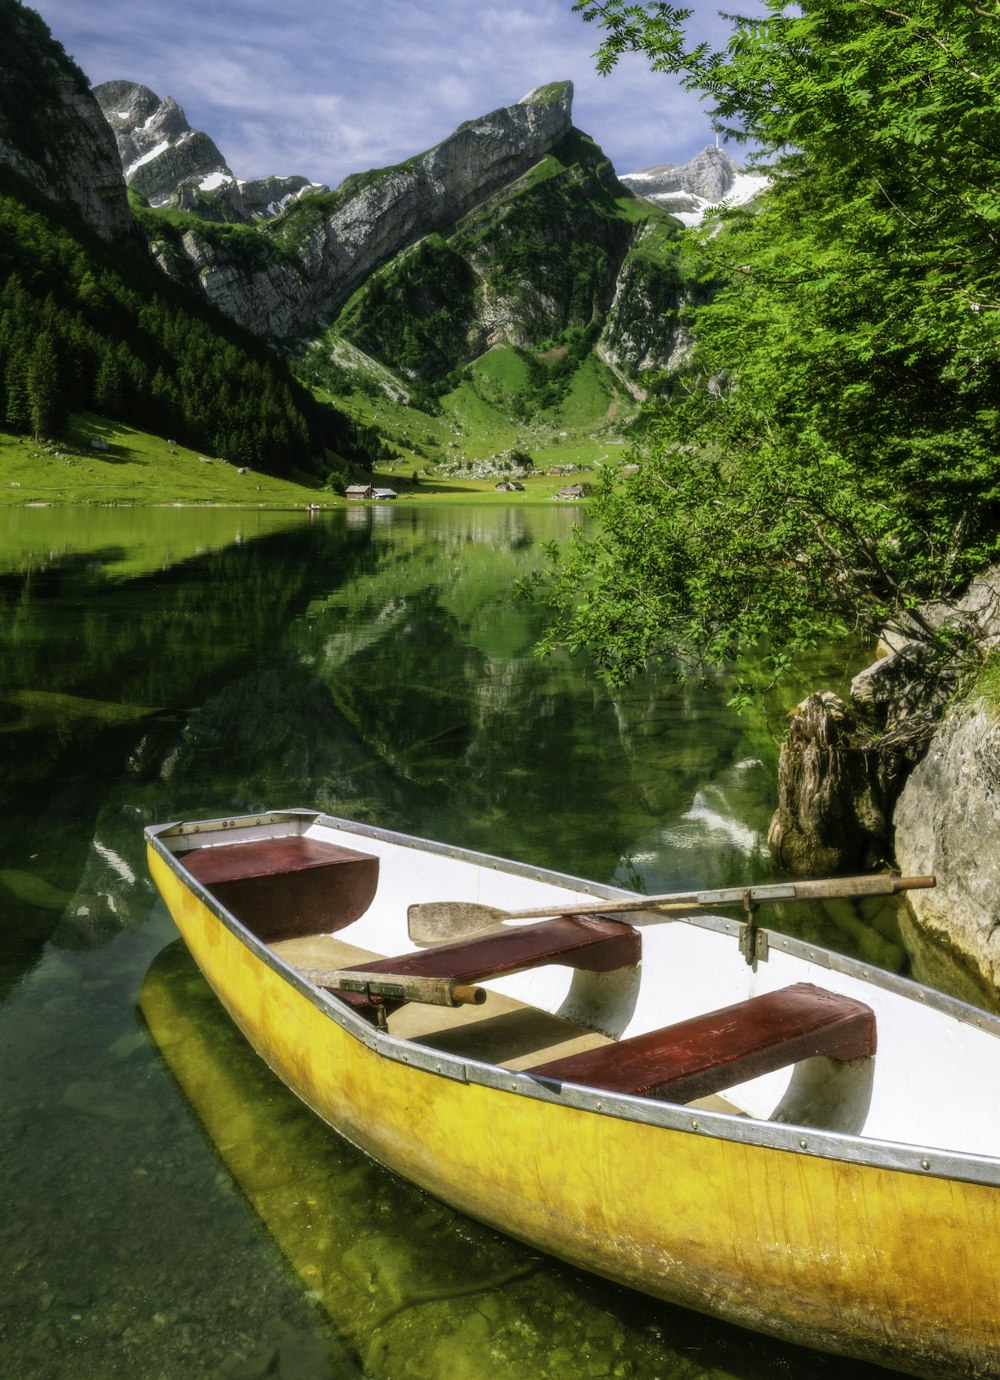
132, 469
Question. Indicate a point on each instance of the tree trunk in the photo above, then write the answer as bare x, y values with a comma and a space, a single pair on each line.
833, 811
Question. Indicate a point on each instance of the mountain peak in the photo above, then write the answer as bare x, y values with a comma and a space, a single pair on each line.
173, 165
690, 189
554, 93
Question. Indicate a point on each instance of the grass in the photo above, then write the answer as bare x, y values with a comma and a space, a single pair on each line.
538, 488
136, 468
987, 683
140, 470
486, 415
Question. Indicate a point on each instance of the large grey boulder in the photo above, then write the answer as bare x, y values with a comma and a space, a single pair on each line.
947, 822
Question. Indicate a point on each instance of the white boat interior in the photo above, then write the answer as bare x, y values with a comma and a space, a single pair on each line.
933, 1083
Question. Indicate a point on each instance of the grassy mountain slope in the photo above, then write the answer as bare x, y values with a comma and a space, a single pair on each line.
512, 330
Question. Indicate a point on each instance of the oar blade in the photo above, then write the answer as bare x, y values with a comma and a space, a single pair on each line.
438, 922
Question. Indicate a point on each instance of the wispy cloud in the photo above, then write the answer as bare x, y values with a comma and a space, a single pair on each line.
326, 90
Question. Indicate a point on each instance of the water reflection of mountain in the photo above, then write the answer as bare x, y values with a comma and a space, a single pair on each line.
378, 670
97, 676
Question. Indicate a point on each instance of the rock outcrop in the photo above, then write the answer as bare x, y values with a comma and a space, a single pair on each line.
832, 793
912, 770
52, 131
645, 329
947, 823
175, 166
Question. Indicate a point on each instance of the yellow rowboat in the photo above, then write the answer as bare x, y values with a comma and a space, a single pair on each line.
684, 1103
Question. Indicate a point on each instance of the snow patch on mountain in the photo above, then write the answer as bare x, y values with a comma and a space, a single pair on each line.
147, 157
173, 165
690, 190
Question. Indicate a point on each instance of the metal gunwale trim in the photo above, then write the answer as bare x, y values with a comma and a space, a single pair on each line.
891, 1155
786, 943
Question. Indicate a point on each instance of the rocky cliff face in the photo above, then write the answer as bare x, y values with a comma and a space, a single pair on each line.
175, 166
312, 258
51, 129
644, 328
688, 190
556, 261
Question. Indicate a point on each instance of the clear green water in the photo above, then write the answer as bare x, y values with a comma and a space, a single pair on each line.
169, 1210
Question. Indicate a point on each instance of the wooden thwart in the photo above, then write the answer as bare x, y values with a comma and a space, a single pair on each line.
445, 974
705, 1054
288, 886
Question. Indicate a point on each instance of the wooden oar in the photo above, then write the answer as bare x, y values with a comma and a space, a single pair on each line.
436, 922
436, 991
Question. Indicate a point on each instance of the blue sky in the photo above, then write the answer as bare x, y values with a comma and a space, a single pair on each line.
329, 87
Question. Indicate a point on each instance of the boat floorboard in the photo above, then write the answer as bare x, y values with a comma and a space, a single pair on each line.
504, 1031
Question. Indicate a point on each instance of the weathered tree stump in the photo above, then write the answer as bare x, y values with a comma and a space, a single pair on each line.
833, 811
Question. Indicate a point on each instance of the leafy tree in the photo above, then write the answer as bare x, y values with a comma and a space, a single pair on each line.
830, 457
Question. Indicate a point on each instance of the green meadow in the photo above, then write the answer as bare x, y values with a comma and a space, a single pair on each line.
456, 452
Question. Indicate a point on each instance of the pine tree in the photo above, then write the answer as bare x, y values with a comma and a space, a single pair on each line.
45, 391
109, 392
17, 403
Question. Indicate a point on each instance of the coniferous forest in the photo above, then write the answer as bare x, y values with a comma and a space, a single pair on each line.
87, 327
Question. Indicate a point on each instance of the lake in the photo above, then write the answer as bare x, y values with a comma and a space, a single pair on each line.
170, 1211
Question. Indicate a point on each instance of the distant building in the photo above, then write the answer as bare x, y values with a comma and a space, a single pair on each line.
509, 486
383, 493
359, 491
573, 491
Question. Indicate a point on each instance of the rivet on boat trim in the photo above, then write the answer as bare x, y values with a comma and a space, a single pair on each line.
694, 1126
803, 1145
925, 1164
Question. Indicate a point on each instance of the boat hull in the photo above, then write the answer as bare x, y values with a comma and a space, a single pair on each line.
866, 1260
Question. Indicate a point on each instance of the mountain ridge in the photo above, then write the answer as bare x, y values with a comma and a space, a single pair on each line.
689, 190
176, 167
306, 262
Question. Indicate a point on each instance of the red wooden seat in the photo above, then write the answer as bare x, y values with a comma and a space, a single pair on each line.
287, 886
707, 1053
579, 941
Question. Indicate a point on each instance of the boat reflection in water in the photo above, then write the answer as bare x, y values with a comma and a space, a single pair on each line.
411, 1287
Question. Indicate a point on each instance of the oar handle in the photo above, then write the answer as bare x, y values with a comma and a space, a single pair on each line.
396, 986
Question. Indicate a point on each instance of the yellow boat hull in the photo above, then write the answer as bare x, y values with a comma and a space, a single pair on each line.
859, 1259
